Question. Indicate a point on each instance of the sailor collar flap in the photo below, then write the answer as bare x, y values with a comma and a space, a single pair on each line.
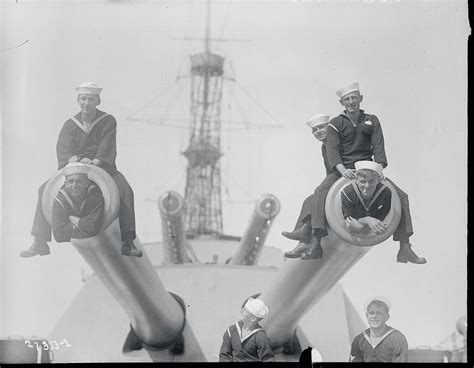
361, 118
86, 128
367, 337
376, 194
69, 199
239, 330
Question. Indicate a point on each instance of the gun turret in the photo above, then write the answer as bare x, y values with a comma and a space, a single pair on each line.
171, 206
300, 284
251, 244
156, 317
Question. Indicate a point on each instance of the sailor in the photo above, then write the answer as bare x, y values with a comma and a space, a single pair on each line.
356, 136
246, 341
302, 231
367, 201
89, 137
78, 209
380, 342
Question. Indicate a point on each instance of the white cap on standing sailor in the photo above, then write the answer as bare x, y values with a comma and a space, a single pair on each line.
256, 307
88, 88
368, 165
378, 299
318, 119
341, 92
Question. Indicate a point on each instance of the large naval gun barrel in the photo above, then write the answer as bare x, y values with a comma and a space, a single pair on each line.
157, 317
300, 284
171, 206
251, 244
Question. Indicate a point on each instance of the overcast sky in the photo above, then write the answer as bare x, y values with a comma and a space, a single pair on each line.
409, 57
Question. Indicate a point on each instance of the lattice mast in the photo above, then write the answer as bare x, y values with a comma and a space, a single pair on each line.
203, 204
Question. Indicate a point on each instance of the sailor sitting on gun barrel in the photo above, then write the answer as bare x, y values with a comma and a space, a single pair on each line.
89, 137
355, 136
367, 201
78, 209
302, 231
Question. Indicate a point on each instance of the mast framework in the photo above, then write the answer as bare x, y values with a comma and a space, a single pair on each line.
203, 203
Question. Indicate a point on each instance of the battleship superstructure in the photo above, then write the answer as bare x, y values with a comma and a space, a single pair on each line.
203, 183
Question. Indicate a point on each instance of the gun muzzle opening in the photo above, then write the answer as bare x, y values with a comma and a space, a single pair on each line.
99, 176
336, 220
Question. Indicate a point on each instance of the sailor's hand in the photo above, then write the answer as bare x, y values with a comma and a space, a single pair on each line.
96, 162
348, 174
74, 220
382, 176
73, 159
353, 225
376, 225
86, 160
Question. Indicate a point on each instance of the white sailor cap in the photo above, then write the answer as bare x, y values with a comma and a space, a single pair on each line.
88, 88
341, 92
318, 119
76, 168
368, 165
256, 307
378, 299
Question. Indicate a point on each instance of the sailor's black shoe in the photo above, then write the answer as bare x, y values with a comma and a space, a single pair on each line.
37, 248
406, 254
129, 249
298, 250
303, 234
315, 252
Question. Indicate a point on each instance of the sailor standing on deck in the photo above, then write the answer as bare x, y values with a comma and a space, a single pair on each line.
302, 231
355, 136
246, 341
380, 342
89, 137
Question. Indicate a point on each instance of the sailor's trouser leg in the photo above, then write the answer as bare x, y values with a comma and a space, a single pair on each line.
127, 207
41, 228
305, 211
405, 227
318, 213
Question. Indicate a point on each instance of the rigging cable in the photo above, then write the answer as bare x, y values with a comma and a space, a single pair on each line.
153, 99
226, 17
256, 103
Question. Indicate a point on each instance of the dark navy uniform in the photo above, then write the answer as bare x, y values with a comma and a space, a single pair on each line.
97, 141
90, 213
392, 347
353, 204
254, 348
346, 144
308, 203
